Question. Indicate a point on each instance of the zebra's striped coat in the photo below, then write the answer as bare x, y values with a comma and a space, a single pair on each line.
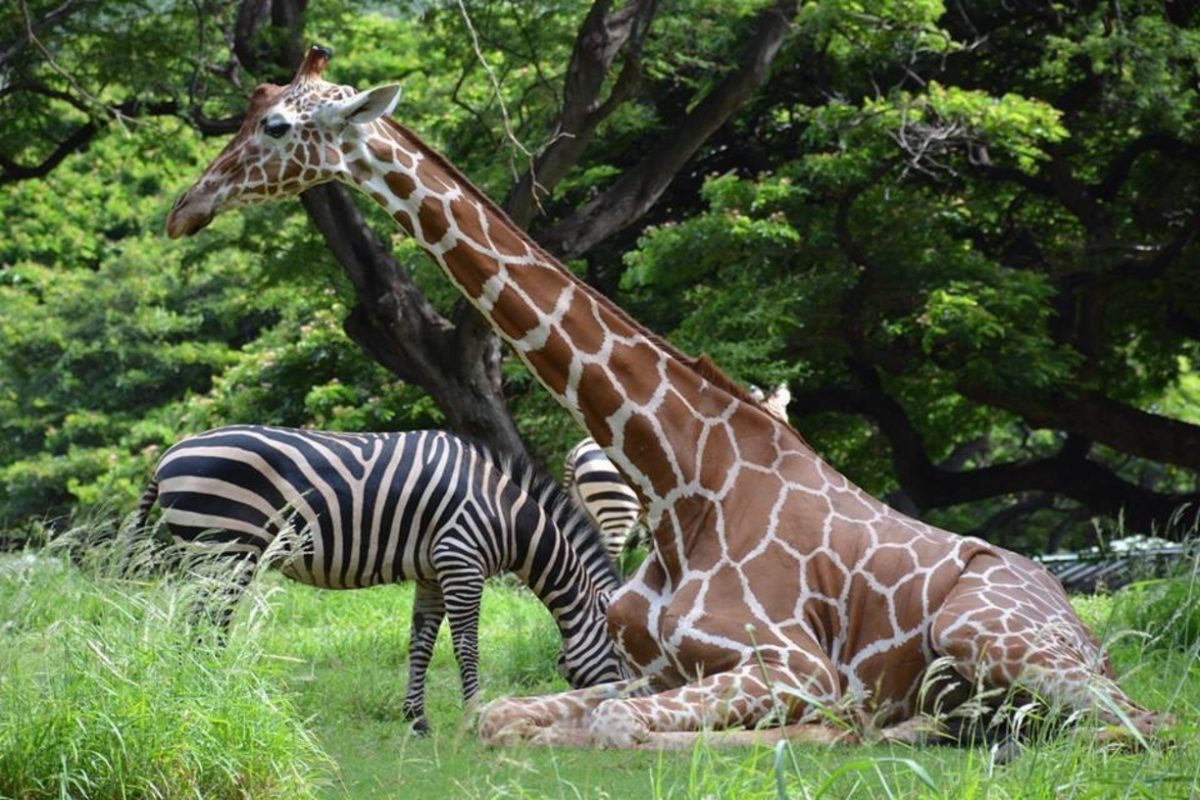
596, 485
425, 506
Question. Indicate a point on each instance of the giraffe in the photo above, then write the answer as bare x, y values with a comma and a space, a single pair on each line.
777, 592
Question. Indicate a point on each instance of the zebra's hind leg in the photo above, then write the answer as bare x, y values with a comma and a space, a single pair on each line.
223, 581
461, 579
428, 611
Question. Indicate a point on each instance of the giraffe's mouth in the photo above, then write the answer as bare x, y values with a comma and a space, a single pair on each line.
187, 218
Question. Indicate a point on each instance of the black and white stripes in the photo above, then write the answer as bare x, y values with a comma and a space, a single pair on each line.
424, 506
596, 486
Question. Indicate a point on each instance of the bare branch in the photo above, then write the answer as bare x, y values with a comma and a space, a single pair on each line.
35, 28
641, 186
12, 172
601, 38
1069, 473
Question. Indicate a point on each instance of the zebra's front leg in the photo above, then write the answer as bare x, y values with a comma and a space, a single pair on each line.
427, 614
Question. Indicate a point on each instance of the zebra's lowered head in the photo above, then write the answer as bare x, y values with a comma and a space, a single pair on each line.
589, 656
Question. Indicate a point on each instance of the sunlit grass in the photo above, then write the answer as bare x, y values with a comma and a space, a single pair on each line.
105, 694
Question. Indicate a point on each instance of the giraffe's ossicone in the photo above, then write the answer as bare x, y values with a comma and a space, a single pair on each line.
776, 591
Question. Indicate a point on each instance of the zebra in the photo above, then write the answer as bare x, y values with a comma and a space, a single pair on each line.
426, 506
596, 485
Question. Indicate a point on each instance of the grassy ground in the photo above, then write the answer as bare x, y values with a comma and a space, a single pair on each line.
351, 679
310, 672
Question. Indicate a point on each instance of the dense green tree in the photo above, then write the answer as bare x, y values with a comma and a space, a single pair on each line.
965, 233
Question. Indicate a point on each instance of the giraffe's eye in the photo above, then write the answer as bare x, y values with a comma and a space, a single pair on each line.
276, 130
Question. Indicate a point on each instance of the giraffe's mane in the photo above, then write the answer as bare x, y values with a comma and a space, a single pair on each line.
703, 366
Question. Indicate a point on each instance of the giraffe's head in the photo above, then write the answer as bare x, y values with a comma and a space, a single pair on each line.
294, 137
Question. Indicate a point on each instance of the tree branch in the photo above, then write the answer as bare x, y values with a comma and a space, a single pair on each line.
601, 37
12, 172
37, 27
395, 323
641, 186
1069, 473
1121, 164
1101, 419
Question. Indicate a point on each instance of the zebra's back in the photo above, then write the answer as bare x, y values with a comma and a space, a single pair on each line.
371, 504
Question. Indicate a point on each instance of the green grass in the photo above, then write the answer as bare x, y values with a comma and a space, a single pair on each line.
103, 694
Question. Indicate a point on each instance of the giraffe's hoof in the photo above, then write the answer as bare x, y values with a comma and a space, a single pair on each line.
614, 725
518, 731
501, 723
1152, 730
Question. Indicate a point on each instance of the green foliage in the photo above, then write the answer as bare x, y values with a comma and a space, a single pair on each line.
1166, 611
957, 198
115, 343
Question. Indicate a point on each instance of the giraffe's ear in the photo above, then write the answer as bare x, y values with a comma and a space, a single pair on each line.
369, 105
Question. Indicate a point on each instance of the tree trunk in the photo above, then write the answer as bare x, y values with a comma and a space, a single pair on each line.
459, 365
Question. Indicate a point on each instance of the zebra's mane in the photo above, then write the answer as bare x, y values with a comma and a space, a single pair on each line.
571, 520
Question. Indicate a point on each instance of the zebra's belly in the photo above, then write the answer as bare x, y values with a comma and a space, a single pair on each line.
354, 573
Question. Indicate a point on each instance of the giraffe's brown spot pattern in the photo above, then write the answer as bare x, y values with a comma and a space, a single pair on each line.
403, 220
401, 184
383, 151
549, 360
472, 283
718, 458
891, 563
893, 674
507, 240
625, 359
705, 552
599, 399
820, 615
781, 569
518, 318
638, 649
432, 222
588, 334
823, 575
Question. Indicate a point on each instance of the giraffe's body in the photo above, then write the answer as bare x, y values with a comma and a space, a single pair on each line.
773, 583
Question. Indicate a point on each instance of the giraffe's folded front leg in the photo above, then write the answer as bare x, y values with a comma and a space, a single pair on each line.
752, 696
556, 719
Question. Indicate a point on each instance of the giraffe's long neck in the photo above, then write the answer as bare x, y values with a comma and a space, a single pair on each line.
638, 397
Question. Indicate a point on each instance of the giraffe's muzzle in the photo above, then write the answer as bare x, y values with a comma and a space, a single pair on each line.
188, 217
